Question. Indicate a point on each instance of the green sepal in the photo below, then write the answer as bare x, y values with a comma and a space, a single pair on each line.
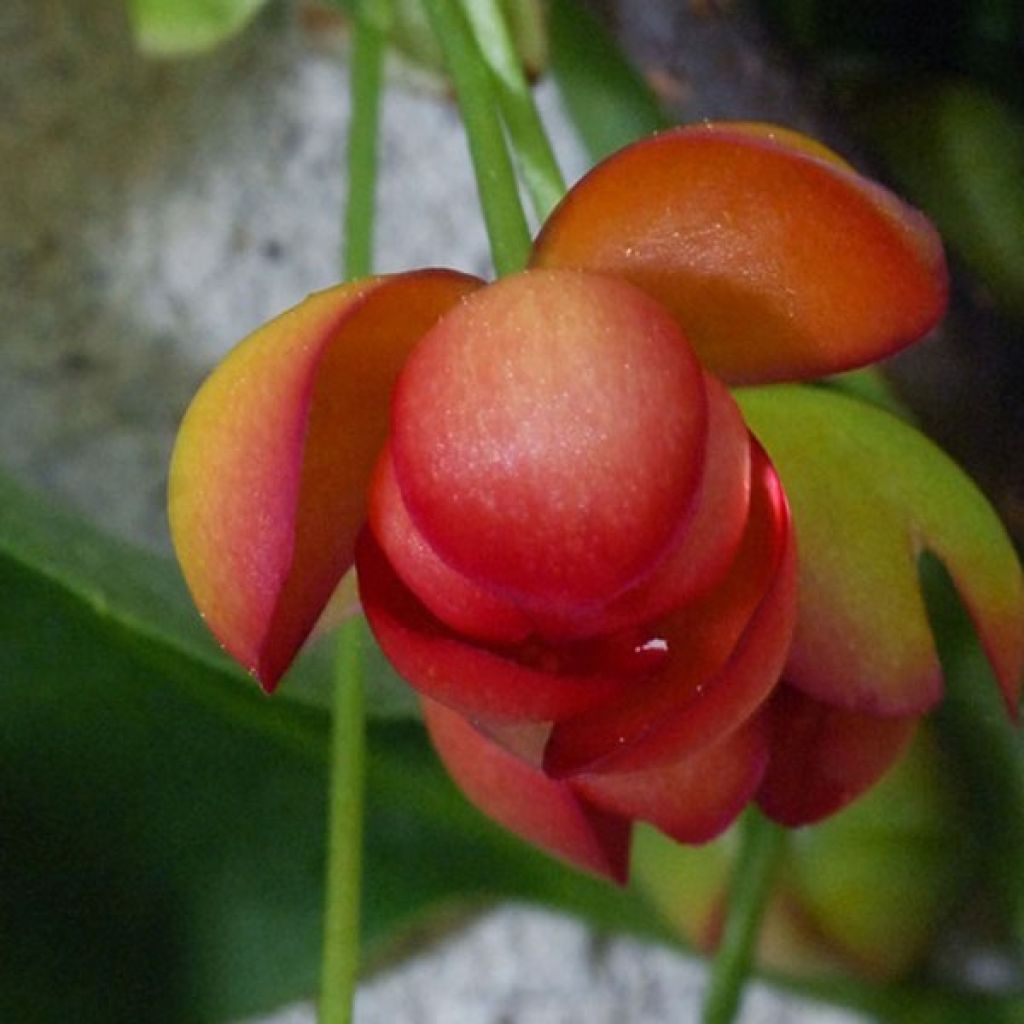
869, 495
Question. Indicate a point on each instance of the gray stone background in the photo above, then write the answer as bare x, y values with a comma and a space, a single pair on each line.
153, 213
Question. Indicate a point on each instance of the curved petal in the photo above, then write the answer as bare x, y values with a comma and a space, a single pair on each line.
725, 654
712, 534
779, 264
271, 466
709, 540
824, 757
869, 494
548, 436
494, 683
544, 812
458, 602
692, 799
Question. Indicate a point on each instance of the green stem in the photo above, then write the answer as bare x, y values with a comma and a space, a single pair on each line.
345, 833
496, 181
761, 845
365, 81
340, 965
533, 149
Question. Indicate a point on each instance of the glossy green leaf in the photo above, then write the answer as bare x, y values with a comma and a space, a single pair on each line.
958, 153
177, 28
161, 853
142, 599
869, 495
609, 102
162, 829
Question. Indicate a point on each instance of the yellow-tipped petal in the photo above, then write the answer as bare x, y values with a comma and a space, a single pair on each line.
271, 467
869, 495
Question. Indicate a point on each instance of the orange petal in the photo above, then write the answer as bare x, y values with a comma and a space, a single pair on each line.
542, 811
692, 799
273, 460
725, 654
548, 436
777, 261
824, 757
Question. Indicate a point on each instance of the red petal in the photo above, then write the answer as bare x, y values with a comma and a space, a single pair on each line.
725, 655
548, 436
472, 679
540, 810
778, 264
823, 757
271, 466
693, 799
711, 536
457, 601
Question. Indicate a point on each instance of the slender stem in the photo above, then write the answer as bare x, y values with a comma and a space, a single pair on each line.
340, 965
530, 141
496, 181
761, 845
365, 87
345, 835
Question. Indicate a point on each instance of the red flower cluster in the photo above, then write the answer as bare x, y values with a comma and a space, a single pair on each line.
566, 538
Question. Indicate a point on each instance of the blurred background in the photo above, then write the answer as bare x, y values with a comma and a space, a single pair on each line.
156, 208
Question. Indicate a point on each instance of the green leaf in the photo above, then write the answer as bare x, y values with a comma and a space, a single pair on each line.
161, 856
869, 495
608, 101
988, 750
958, 153
141, 598
176, 28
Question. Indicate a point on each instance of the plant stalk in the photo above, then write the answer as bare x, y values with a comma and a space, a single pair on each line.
340, 964
496, 181
340, 967
761, 846
531, 145
368, 43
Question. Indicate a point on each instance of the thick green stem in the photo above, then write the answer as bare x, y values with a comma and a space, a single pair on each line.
533, 149
345, 833
761, 846
365, 80
496, 181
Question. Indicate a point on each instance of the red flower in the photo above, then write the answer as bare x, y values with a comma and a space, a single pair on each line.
565, 537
